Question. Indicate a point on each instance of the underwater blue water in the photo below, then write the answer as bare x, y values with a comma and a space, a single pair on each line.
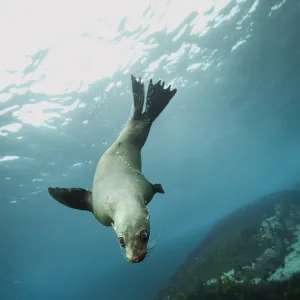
230, 134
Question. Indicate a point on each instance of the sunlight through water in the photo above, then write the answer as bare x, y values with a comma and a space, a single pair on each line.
84, 41
228, 136
50, 63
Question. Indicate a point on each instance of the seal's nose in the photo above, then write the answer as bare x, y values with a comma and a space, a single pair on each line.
138, 258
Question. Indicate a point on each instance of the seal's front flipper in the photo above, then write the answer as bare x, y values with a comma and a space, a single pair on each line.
157, 100
76, 198
157, 188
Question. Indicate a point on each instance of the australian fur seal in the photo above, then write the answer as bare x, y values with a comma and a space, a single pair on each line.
120, 191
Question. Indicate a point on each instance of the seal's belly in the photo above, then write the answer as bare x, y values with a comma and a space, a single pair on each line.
118, 175
115, 186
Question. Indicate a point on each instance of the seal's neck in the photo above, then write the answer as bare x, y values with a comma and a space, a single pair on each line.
130, 213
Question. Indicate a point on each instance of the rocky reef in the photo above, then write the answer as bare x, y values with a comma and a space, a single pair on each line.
253, 253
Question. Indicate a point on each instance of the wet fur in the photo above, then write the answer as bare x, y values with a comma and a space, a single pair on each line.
120, 191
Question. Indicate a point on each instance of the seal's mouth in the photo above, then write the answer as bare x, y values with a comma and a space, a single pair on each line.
135, 253
137, 258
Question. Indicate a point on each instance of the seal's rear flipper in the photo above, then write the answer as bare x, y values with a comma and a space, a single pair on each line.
138, 91
157, 99
75, 197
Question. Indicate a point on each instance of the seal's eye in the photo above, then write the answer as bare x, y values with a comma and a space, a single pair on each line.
121, 241
144, 235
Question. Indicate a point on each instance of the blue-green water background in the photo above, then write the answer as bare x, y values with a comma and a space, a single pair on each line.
230, 134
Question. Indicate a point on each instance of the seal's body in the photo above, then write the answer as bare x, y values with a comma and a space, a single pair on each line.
120, 191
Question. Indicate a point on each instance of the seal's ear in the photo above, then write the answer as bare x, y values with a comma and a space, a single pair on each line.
74, 197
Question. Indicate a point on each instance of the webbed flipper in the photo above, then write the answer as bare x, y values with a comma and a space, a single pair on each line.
157, 188
138, 91
76, 198
142, 118
157, 99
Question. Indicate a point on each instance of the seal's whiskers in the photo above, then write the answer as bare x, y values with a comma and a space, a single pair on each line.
123, 254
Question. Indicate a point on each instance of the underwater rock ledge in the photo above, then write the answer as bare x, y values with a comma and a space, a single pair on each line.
252, 253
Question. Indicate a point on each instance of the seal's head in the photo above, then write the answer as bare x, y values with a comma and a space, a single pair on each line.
133, 232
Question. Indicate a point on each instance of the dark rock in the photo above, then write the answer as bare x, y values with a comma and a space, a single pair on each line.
254, 246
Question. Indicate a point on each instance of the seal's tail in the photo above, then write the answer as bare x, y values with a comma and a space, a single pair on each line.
157, 99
